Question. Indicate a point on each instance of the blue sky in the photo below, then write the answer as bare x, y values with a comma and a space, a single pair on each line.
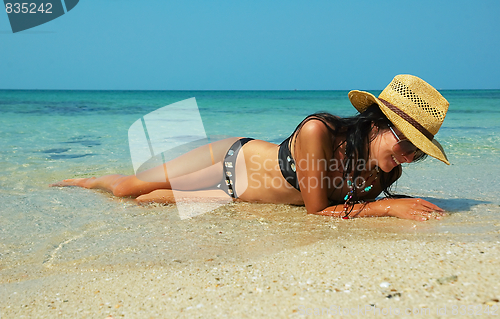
255, 45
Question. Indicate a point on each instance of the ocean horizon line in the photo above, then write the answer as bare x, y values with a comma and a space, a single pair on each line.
209, 90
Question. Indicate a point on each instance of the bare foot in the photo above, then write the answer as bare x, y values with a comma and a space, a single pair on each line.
80, 182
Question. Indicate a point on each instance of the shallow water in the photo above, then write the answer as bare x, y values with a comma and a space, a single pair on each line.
51, 135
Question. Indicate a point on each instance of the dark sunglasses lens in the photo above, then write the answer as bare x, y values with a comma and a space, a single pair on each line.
418, 155
404, 148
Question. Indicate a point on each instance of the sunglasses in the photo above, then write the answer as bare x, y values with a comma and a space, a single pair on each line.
406, 148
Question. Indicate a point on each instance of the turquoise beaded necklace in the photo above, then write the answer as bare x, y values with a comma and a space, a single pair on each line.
352, 189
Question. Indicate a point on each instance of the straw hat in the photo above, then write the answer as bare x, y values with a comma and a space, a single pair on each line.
414, 107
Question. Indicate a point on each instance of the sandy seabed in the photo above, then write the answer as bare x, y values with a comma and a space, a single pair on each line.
270, 262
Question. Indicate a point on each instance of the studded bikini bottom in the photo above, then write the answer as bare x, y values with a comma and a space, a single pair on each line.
227, 184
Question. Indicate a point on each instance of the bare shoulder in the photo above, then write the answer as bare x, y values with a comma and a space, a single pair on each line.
313, 130
313, 137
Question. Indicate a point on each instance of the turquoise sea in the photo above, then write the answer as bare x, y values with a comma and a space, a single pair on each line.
47, 136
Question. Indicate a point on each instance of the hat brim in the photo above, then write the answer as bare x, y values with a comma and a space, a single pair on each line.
361, 100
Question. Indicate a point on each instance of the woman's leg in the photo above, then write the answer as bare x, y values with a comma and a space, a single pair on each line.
119, 185
167, 196
198, 169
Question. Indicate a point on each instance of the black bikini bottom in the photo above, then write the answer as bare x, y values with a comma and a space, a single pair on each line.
227, 184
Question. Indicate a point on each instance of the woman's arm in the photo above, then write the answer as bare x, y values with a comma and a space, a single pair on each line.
407, 208
312, 147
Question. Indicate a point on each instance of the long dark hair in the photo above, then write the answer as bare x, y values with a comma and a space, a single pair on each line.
356, 131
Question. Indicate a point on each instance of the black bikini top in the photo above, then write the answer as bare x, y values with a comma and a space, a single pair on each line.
287, 164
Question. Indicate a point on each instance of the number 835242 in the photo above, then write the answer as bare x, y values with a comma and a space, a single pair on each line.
28, 8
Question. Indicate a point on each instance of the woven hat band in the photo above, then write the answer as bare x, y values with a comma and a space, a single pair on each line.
408, 119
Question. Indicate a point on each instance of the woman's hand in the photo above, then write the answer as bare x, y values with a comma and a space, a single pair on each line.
411, 208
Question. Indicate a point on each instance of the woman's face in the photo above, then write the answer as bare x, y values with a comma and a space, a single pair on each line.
381, 149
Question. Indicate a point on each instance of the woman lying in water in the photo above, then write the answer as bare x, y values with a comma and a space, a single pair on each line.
334, 166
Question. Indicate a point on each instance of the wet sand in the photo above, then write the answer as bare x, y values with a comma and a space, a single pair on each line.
252, 261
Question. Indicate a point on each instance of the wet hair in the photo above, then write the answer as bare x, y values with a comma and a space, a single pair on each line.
356, 132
